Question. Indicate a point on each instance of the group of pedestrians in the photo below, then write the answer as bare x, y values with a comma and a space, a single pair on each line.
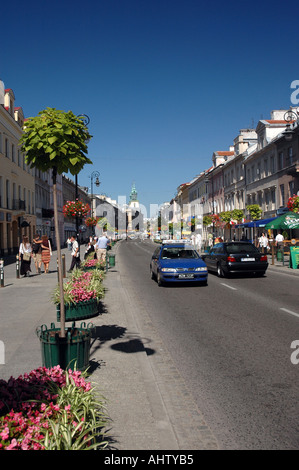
97, 245
39, 250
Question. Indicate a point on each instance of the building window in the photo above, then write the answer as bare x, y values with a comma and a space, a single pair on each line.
273, 198
280, 161
266, 167
6, 148
291, 188
282, 199
13, 157
272, 165
290, 156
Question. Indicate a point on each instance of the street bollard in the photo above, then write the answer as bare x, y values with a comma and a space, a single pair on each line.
18, 267
1, 273
63, 266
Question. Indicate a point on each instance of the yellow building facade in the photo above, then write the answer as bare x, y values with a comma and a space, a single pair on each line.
17, 182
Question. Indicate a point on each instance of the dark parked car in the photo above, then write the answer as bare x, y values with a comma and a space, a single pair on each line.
236, 257
177, 262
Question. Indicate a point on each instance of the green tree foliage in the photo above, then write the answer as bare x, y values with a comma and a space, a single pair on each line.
55, 139
255, 211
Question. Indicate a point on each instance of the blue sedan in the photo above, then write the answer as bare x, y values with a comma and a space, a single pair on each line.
177, 262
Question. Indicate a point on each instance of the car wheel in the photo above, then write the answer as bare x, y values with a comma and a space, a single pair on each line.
159, 280
220, 272
152, 274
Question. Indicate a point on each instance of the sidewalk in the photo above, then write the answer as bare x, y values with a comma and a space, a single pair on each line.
147, 401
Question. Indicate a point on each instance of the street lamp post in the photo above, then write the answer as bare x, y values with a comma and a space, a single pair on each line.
86, 121
290, 117
94, 174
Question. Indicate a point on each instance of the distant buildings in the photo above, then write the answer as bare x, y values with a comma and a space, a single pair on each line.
262, 167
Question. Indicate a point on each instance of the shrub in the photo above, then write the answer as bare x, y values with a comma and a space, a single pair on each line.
51, 409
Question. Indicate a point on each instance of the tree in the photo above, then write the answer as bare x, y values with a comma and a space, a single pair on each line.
56, 140
237, 214
255, 211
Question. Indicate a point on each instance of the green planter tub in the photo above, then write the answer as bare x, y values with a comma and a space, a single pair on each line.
79, 311
72, 352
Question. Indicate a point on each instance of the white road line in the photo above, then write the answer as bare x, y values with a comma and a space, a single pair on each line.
230, 287
290, 312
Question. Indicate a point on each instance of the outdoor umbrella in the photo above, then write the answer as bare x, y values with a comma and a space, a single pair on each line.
289, 220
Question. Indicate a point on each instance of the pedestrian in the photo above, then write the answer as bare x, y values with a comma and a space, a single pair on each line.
279, 239
69, 244
264, 243
46, 252
198, 242
37, 252
75, 254
89, 248
101, 247
25, 252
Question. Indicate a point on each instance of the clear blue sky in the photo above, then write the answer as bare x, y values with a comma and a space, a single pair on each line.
165, 83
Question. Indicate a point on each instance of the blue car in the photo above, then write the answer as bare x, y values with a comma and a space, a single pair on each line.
177, 262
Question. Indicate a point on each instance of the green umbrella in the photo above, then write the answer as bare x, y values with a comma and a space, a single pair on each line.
289, 220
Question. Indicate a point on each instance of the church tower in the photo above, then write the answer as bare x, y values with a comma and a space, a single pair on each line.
133, 198
133, 211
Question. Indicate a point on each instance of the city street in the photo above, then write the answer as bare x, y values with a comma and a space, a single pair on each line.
231, 344
191, 367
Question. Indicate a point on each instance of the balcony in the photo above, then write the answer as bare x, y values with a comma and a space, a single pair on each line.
18, 205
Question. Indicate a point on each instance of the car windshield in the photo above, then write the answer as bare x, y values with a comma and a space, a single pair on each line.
241, 248
178, 253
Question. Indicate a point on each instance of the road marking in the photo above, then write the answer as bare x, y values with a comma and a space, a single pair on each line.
290, 311
230, 287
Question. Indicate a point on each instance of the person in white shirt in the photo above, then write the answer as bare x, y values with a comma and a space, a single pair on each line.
279, 239
75, 254
25, 252
263, 242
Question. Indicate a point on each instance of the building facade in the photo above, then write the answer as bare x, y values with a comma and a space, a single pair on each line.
17, 181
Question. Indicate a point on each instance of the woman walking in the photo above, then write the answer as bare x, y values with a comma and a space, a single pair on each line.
25, 257
46, 252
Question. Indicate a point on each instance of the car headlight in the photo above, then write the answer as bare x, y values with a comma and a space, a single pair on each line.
204, 268
168, 270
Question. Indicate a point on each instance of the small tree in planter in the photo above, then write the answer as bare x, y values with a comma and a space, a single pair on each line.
56, 140
255, 211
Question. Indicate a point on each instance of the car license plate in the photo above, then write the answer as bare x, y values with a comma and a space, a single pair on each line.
247, 259
186, 276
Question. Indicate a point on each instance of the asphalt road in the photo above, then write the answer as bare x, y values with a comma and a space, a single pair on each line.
231, 343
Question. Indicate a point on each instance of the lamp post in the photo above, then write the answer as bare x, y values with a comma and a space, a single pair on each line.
290, 117
94, 174
86, 121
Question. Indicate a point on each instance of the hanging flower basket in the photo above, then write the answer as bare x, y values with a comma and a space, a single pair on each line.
76, 209
91, 221
293, 204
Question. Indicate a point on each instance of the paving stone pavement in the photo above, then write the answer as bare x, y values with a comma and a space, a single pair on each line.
148, 403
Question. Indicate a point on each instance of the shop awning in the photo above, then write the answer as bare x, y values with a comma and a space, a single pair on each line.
256, 223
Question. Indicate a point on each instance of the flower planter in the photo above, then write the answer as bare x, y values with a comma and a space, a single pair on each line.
71, 352
79, 310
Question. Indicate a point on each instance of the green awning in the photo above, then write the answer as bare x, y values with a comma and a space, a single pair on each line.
289, 220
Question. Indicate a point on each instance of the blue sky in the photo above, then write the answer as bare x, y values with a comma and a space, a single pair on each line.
165, 83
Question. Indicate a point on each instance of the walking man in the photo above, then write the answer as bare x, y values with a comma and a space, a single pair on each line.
101, 247
75, 254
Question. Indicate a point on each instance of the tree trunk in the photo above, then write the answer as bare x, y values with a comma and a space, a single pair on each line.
60, 277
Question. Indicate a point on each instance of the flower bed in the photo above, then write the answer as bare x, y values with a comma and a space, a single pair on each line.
51, 409
81, 286
92, 263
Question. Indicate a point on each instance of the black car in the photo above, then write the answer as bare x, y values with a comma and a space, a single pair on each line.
236, 257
